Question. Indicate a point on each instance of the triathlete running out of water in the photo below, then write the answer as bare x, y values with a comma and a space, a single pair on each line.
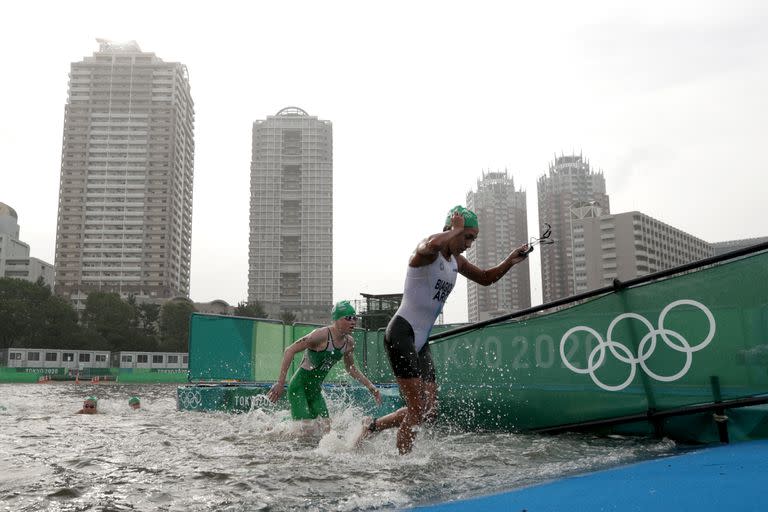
323, 348
431, 275
89, 406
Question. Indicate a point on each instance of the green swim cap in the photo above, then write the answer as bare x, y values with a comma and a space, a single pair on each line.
91, 399
342, 309
134, 400
470, 219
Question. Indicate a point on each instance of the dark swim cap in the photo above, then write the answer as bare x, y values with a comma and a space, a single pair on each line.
134, 400
342, 309
91, 399
470, 219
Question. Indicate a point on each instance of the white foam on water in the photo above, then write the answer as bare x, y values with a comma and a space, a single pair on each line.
160, 458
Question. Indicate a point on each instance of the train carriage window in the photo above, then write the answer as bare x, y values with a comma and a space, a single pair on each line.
100, 358
68, 357
142, 358
33, 356
157, 359
51, 356
173, 359
85, 358
126, 359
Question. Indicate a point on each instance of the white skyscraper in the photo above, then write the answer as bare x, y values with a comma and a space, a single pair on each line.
125, 196
290, 257
570, 186
503, 219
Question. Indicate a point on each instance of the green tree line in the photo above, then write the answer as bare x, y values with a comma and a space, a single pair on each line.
31, 316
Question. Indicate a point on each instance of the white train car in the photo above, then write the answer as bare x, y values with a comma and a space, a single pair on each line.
150, 360
54, 358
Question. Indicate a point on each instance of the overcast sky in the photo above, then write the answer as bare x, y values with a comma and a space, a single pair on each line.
669, 99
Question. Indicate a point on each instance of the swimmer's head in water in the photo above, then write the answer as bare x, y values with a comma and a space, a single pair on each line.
134, 400
342, 309
470, 218
90, 402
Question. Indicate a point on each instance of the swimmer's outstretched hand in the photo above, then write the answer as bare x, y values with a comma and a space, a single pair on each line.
523, 251
276, 391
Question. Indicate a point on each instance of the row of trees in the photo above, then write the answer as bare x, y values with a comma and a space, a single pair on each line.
32, 316
256, 310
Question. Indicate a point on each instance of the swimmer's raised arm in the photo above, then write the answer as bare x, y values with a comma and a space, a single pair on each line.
489, 276
427, 250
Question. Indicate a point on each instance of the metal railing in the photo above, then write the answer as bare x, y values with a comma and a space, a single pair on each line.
615, 287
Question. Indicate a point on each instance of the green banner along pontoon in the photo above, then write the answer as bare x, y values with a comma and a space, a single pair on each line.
682, 353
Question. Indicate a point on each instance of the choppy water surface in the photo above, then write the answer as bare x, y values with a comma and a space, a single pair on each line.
161, 459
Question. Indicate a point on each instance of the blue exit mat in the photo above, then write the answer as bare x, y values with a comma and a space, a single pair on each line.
718, 479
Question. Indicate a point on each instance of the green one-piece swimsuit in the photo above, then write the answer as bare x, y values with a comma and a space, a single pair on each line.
304, 390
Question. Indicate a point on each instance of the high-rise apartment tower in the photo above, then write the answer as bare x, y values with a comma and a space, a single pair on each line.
503, 218
125, 196
563, 194
290, 256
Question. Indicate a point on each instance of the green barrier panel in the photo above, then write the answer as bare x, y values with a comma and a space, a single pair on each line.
268, 351
27, 374
250, 350
654, 346
220, 347
371, 361
359, 356
377, 362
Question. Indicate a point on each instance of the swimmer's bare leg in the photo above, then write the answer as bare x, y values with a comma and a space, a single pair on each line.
371, 425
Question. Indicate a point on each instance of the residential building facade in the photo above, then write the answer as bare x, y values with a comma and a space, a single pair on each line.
503, 219
15, 261
628, 245
290, 255
570, 184
125, 198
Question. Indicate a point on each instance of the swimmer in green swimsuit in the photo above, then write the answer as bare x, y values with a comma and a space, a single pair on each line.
323, 348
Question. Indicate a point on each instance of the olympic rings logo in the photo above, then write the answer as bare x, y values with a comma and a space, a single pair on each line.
190, 399
645, 349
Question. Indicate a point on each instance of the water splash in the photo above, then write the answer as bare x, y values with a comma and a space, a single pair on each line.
158, 458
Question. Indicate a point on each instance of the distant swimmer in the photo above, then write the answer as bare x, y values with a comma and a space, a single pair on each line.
431, 275
134, 403
323, 348
89, 406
